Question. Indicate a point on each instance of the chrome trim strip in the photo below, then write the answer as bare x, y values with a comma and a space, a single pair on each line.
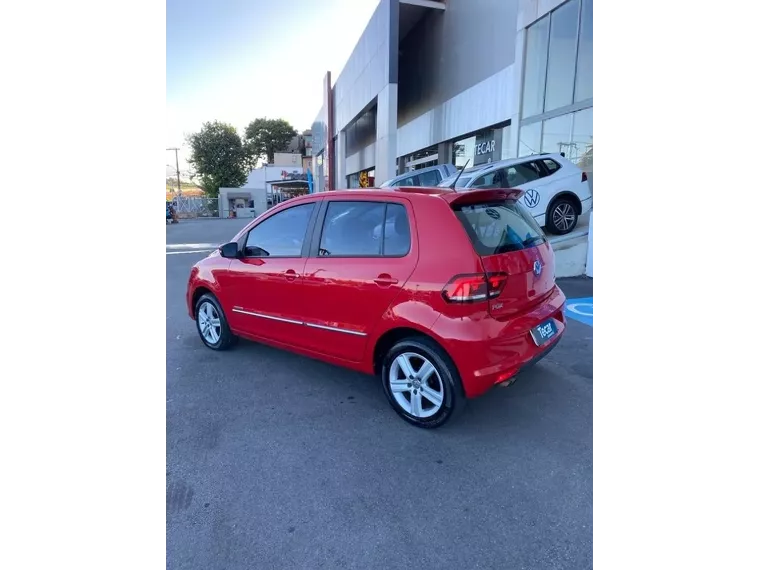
280, 319
334, 329
292, 322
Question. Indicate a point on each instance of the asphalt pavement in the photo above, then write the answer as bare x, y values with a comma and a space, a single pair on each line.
278, 461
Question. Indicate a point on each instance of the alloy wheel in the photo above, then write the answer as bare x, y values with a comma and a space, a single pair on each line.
416, 385
209, 323
563, 216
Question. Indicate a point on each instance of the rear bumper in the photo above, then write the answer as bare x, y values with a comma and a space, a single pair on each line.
586, 205
487, 351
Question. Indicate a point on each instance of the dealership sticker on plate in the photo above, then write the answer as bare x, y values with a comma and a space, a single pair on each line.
544, 332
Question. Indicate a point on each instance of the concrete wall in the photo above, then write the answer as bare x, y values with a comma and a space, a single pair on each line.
287, 159
367, 70
491, 101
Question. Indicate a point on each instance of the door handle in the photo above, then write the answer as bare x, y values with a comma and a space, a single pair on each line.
291, 275
385, 280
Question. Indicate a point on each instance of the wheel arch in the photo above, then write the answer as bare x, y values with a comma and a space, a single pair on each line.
569, 195
198, 292
391, 336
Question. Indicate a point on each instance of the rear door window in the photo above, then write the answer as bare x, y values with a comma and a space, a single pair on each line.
430, 178
407, 181
365, 229
499, 226
522, 174
494, 179
550, 166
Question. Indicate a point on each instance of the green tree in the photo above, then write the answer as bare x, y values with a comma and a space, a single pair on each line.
264, 137
219, 157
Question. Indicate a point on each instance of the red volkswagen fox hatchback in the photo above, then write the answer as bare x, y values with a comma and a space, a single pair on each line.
443, 294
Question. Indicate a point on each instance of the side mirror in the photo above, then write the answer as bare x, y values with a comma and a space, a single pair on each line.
229, 250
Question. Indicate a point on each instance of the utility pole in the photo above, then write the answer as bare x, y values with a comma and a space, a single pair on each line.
176, 158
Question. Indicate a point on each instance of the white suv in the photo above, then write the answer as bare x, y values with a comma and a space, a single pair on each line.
556, 191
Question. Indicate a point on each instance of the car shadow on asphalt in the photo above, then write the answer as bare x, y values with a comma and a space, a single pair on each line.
539, 397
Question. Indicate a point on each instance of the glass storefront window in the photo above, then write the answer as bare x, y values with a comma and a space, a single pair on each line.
584, 81
422, 159
557, 135
558, 63
582, 139
481, 148
529, 139
571, 134
562, 51
536, 56
463, 150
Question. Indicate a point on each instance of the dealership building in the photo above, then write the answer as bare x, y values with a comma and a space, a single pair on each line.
432, 82
449, 81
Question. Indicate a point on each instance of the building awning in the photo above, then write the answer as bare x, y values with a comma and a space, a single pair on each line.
289, 183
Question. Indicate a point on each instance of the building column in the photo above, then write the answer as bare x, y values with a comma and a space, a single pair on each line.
341, 177
386, 147
445, 153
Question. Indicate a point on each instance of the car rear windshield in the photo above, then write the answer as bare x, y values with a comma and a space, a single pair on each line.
499, 226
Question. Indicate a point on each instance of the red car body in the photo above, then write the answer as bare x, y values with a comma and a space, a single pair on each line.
349, 310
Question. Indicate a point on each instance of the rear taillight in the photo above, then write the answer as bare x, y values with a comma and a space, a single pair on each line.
584, 177
474, 287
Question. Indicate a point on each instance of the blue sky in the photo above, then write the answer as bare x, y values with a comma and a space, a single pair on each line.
235, 60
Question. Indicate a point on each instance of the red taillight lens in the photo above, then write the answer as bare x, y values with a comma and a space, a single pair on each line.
584, 177
473, 288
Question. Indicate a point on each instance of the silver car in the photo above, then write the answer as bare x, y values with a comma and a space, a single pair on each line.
430, 176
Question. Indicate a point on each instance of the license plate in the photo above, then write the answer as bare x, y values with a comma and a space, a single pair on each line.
544, 332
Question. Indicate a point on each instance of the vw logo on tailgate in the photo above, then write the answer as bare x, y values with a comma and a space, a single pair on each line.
531, 198
537, 268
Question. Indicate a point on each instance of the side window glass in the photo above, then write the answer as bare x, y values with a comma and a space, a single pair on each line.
494, 179
352, 229
412, 181
522, 174
551, 166
281, 235
430, 178
397, 231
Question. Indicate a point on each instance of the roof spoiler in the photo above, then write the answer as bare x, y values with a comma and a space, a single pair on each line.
479, 196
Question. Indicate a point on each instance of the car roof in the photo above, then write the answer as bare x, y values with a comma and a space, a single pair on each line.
411, 192
388, 192
410, 173
482, 168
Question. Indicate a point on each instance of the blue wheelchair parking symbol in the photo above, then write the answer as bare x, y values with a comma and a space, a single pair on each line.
580, 310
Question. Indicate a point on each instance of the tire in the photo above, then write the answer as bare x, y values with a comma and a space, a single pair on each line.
418, 408
561, 217
218, 337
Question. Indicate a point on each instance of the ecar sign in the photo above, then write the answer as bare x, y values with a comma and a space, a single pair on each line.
484, 148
